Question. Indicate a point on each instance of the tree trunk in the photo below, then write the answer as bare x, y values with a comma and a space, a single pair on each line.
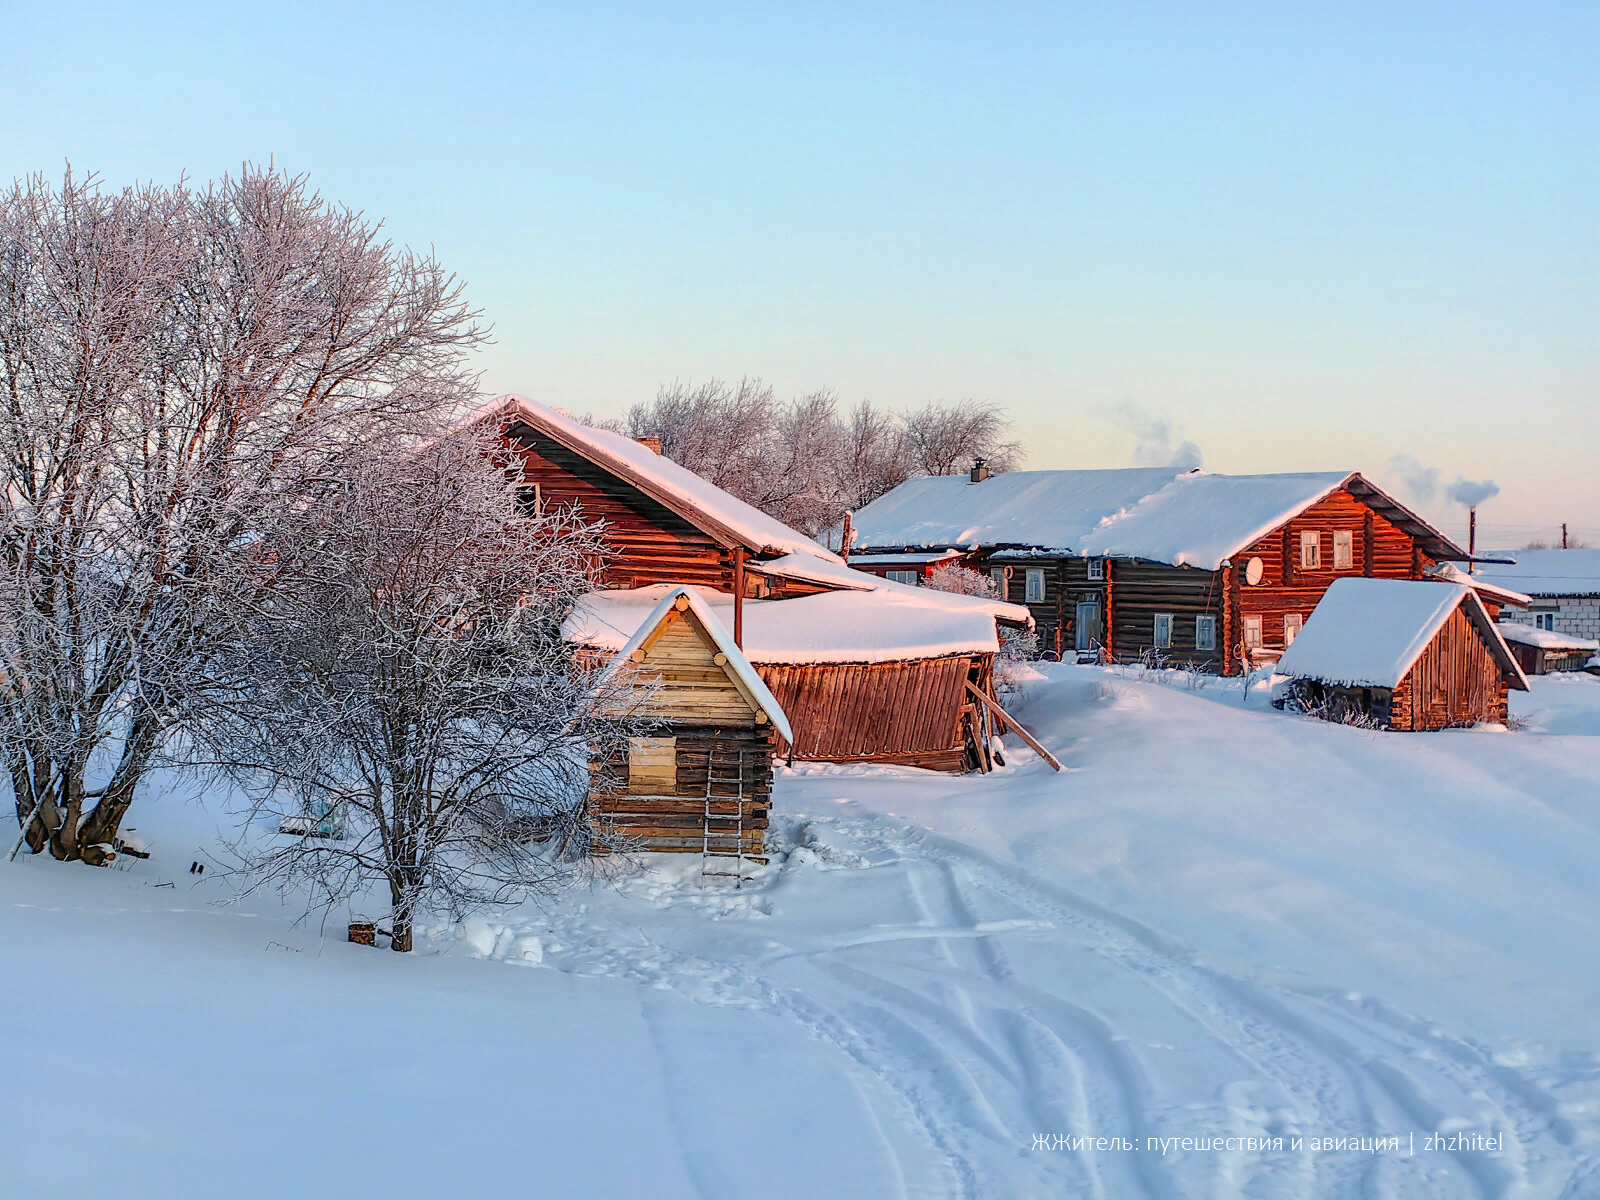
103, 824
401, 903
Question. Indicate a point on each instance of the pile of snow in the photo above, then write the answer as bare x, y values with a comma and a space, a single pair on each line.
1370, 632
1195, 518
885, 624
1545, 639
1546, 572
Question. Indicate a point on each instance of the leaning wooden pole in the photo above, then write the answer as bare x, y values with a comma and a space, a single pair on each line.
1008, 720
738, 596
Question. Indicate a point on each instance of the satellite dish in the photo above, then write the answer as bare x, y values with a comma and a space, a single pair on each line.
1253, 571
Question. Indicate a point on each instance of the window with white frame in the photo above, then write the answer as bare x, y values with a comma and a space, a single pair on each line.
1544, 620
1097, 568
1035, 594
1205, 633
1252, 632
911, 577
1310, 550
1291, 627
1344, 550
1163, 630
998, 574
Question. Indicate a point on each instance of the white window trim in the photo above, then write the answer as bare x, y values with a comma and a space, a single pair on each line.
1295, 622
1097, 568
1344, 540
1310, 550
1034, 595
1252, 631
1209, 624
909, 578
1160, 620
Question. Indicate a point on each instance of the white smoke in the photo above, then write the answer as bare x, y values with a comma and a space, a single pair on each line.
1157, 445
1423, 483
1469, 493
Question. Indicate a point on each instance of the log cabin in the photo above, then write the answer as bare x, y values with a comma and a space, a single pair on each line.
867, 669
1213, 571
1403, 655
699, 779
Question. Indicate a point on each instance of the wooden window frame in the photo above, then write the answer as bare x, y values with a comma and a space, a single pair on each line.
1207, 622
1311, 550
646, 773
1292, 621
1344, 539
909, 578
1251, 624
1155, 632
1096, 568
1034, 575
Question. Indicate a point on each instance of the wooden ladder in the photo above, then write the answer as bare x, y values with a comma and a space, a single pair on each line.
724, 820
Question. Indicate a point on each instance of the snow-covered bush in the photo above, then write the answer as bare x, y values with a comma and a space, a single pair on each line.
963, 581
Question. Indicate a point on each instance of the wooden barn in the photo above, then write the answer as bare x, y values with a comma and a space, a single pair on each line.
1405, 655
700, 779
883, 670
1541, 651
1145, 564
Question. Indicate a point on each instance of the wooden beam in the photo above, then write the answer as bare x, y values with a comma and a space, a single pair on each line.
1006, 718
738, 596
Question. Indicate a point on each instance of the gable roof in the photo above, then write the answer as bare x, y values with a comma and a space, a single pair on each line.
707, 507
1547, 572
893, 624
1370, 632
737, 665
1451, 573
1191, 518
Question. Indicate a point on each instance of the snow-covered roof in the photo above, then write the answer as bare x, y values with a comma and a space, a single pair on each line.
1191, 518
701, 503
737, 662
1020, 508
1450, 573
887, 625
1546, 572
913, 558
1545, 639
838, 575
1370, 632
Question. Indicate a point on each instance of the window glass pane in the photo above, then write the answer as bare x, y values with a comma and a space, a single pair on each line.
1205, 633
1343, 550
1035, 585
1310, 550
1163, 629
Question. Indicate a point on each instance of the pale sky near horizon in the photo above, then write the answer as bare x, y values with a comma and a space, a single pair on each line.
1308, 237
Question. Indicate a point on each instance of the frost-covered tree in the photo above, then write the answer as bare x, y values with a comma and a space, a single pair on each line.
946, 438
964, 581
177, 366
405, 685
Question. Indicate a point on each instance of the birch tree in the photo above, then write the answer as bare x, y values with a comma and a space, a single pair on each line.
177, 366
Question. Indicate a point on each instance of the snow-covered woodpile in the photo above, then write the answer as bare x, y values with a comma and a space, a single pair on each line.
699, 779
1400, 654
1217, 571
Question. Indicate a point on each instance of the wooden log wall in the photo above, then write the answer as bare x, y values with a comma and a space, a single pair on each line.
899, 712
1066, 585
1379, 548
1144, 589
651, 543
676, 821
1457, 681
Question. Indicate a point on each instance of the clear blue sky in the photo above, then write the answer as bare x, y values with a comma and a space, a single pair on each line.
1310, 236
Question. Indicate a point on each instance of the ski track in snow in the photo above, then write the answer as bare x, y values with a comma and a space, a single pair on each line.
979, 1059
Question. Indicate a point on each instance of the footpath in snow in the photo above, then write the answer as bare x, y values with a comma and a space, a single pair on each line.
1285, 941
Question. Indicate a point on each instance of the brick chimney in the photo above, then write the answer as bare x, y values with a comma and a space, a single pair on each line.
980, 470
654, 443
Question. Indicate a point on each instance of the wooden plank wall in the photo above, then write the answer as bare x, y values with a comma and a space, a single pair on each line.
1457, 681
900, 712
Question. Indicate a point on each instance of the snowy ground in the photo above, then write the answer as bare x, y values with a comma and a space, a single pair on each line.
1220, 922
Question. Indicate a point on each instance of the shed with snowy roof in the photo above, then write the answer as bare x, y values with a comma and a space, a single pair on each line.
1402, 654
699, 778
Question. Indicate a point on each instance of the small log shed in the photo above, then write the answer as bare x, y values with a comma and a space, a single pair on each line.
701, 781
1406, 655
